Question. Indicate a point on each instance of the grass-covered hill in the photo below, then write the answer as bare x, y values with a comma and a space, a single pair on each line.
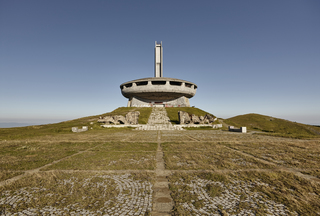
65, 127
90, 121
274, 126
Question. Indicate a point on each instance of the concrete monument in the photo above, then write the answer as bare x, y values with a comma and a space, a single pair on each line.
158, 91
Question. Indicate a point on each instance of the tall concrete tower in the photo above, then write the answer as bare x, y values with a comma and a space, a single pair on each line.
158, 60
158, 90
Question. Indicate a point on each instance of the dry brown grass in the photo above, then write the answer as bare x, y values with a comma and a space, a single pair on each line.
206, 156
290, 153
97, 160
29, 155
297, 194
77, 190
227, 156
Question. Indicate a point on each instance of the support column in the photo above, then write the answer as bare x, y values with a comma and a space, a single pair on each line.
158, 60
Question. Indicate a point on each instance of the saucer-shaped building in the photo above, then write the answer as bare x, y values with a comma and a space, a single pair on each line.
158, 90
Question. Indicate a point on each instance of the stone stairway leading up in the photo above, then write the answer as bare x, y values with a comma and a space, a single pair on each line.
159, 120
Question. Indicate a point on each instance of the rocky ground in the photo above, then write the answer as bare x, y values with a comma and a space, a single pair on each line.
203, 172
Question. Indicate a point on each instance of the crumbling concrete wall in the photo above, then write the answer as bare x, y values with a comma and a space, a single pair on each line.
132, 118
77, 130
186, 118
241, 130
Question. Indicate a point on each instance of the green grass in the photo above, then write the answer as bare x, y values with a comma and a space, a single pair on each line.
8, 174
99, 160
127, 146
26, 156
143, 117
284, 153
112, 156
173, 113
206, 156
274, 126
65, 127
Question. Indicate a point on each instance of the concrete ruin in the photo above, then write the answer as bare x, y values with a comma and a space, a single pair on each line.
77, 130
132, 118
241, 130
186, 118
158, 91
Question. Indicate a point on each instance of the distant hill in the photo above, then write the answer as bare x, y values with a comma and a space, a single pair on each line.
14, 124
275, 126
65, 126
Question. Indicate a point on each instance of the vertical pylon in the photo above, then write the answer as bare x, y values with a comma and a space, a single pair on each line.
158, 60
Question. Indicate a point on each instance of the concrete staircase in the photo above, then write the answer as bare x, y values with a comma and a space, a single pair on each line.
159, 120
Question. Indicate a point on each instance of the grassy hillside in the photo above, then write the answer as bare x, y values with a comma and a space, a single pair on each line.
144, 113
274, 126
65, 127
173, 113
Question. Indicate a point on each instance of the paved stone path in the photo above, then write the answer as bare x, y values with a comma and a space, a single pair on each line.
159, 120
163, 203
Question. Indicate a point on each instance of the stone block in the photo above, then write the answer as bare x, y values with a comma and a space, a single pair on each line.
184, 117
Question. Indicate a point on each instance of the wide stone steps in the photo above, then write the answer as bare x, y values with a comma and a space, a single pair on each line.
159, 120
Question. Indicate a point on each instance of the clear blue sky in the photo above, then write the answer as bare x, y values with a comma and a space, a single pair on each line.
62, 60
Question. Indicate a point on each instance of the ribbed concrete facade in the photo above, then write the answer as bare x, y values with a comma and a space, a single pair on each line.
158, 90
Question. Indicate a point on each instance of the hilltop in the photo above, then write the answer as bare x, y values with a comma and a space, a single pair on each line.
274, 126
255, 122
91, 122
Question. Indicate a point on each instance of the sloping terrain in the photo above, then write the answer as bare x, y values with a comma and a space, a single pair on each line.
274, 126
48, 170
65, 127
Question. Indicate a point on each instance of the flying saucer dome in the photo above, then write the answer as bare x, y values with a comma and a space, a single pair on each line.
158, 89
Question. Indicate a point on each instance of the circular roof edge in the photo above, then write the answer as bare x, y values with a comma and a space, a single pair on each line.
158, 79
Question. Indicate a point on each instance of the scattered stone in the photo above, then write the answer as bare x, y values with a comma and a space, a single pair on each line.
134, 196
159, 120
186, 118
131, 118
77, 130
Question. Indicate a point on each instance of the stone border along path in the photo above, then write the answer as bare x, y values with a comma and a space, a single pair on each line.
163, 202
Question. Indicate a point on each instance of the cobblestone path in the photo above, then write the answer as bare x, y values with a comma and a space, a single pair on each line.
162, 200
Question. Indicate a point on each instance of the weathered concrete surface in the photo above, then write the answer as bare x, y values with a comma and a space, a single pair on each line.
154, 89
77, 130
131, 118
241, 130
158, 89
178, 102
186, 118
